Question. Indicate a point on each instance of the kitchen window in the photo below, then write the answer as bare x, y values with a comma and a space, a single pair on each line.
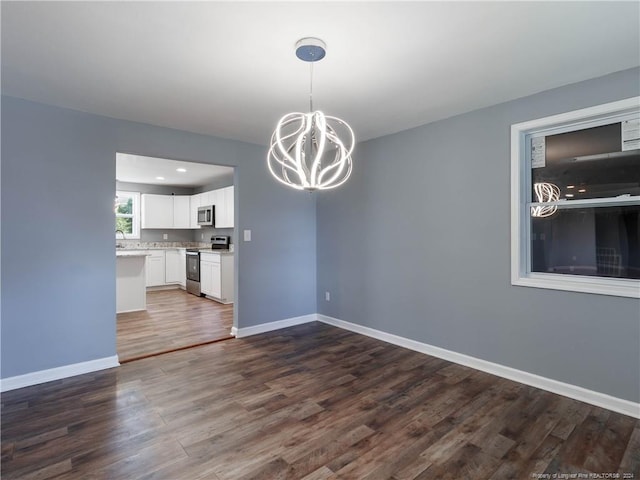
127, 208
575, 200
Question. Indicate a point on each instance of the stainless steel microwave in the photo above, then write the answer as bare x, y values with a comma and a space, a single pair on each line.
206, 215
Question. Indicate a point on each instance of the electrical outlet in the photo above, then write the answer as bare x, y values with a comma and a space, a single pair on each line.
247, 235
327, 296
202, 236
165, 236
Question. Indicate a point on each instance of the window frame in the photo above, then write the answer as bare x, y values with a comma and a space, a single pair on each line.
135, 224
521, 274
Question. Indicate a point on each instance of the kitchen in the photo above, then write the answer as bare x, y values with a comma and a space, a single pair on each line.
174, 224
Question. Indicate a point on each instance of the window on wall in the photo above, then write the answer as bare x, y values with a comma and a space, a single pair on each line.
127, 208
575, 187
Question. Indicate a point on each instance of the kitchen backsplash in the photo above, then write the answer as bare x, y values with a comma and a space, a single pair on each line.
177, 238
173, 235
180, 235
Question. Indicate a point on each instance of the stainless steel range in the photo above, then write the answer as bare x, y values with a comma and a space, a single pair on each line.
193, 271
218, 242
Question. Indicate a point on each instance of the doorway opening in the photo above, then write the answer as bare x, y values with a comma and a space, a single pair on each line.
159, 228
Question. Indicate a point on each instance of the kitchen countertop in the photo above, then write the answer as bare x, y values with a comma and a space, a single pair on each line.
126, 248
131, 253
137, 245
144, 252
129, 249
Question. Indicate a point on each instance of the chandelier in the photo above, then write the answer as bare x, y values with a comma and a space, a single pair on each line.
311, 151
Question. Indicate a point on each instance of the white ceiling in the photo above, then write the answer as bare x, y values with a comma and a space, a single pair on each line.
228, 68
140, 169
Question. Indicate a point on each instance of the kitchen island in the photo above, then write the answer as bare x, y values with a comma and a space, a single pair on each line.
131, 291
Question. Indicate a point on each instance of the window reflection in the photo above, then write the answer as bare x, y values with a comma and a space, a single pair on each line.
589, 163
602, 241
545, 192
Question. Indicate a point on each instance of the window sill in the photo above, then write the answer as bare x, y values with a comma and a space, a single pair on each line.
583, 284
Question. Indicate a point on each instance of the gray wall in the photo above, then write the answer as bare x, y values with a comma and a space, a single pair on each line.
58, 252
417, 244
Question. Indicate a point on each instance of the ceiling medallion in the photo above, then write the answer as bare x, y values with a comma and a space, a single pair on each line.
311, 151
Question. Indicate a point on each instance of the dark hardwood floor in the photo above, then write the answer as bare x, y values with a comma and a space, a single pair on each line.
174, 319
307, 402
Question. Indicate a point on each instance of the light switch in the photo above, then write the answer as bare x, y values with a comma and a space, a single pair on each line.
247, 235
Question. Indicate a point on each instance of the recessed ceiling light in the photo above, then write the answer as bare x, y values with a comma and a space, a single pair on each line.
181, 170
582, 190
571, 186
159, 178
568, 195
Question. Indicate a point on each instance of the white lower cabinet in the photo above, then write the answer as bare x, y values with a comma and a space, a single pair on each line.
173, 266
206, 276
155, 268
216, 283
216, 276
166, 267
183, 267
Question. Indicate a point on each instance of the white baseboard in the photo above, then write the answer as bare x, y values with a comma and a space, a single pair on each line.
42, 376
603, 400
598, 399
268, 327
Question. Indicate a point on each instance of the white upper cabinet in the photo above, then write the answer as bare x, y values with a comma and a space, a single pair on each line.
211, 197
221, 199
195, 202
229, 206
181, 211
166, 211
224, 207
157, 211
